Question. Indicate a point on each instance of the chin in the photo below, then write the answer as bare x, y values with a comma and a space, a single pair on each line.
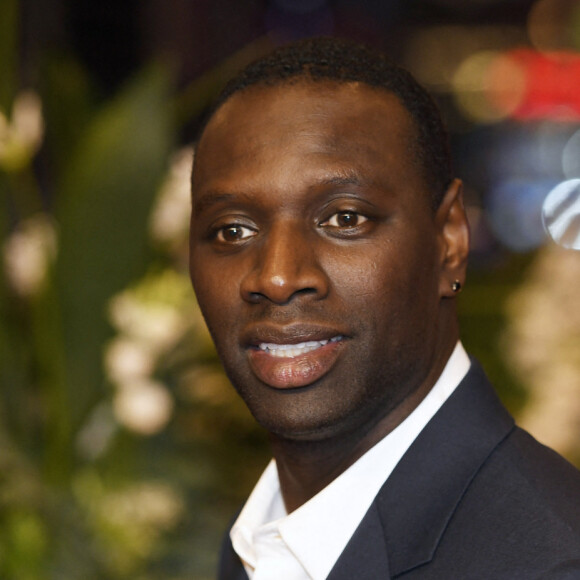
306, 423
294, 422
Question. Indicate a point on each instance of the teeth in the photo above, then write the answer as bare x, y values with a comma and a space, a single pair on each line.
293, 350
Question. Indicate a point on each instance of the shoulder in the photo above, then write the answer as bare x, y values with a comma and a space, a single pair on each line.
531, 483
544, 476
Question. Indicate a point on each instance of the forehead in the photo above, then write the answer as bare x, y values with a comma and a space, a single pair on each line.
309, 123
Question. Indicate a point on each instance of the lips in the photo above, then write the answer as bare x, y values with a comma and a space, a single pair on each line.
294, 356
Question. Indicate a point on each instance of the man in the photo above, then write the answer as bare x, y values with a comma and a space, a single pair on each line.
328, 243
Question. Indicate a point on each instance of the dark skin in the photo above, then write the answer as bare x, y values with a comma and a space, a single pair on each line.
323, 272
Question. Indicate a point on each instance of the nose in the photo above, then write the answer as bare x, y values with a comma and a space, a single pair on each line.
285, 267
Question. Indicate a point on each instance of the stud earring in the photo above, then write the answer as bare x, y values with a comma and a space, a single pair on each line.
456, 286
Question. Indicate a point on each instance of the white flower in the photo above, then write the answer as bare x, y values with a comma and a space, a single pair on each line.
143, 406
21, 136
127, 360
27, 254
158, 325
153, 311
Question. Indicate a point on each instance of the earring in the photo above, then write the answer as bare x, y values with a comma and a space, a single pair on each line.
456, 286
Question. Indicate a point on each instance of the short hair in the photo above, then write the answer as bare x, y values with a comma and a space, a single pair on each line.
341, 60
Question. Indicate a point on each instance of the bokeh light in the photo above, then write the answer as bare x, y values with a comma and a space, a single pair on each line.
471, 88
561, 214
551, 85
507, 81
554, 25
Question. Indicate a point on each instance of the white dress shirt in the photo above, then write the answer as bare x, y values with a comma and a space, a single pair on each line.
305, 544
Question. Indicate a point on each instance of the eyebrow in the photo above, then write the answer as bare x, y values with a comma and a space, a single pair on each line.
211, 198
350, 178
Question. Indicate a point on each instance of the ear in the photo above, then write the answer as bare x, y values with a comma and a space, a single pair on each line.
453, 229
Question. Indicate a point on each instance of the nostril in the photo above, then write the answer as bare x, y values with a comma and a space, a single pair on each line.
306, 291
255, 297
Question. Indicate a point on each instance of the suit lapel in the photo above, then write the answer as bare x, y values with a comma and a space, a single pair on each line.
419, 498
365, 556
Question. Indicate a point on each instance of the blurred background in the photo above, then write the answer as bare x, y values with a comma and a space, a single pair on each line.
124, 451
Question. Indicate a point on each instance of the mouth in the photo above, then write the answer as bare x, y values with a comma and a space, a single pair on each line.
294, 356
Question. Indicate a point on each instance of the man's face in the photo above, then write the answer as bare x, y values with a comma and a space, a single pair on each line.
315, 255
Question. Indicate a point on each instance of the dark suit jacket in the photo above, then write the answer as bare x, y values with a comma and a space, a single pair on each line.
474, 497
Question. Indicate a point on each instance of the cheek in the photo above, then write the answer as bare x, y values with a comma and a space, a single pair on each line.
216, 303
391, 287
361, 276
215, 292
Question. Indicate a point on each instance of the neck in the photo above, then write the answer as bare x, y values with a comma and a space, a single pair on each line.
307, 467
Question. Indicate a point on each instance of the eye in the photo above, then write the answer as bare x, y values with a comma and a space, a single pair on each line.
233, 233
345, 220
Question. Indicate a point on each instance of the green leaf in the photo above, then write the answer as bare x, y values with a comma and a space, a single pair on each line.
102, 211
68, 102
